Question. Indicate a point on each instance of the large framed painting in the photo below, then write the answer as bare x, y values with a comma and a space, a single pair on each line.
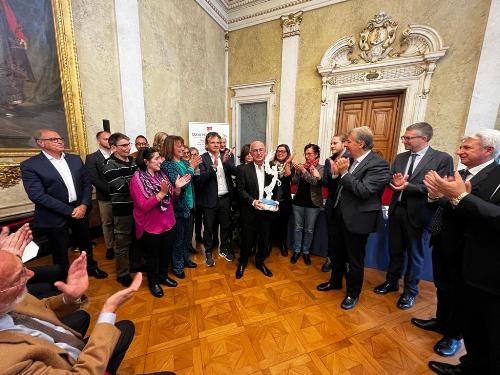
39, 81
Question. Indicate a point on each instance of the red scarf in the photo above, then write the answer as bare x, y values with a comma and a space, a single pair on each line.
314, 163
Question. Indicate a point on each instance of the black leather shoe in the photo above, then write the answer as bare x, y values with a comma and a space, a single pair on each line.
180, 275
97, 273
447, 346
190, 264
240, 270
167, 281
156, 290
428, 324
323, 287
327, 266
307, 259
294, 258
124, 280
386, 287
283, 250
110, 254
406, 301
445, 368
349, 302
262, 268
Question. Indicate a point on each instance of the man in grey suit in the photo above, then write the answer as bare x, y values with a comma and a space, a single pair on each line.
357, 211
409, 214
94, 164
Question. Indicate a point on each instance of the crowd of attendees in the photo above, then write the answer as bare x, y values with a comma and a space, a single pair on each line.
154, 201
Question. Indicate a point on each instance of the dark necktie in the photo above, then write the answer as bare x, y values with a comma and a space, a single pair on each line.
339, 189
464, 173
409, 173
59, 337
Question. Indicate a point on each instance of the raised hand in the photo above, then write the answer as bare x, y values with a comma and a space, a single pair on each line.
399, 182
226, 155
342, 165
182, 181
164, 186
299, 167
77, 282
119, 298
16, 242
314, 172
195, 161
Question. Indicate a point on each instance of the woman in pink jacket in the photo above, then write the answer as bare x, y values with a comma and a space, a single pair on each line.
153, 197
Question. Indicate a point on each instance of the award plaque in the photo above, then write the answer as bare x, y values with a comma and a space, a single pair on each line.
268, 203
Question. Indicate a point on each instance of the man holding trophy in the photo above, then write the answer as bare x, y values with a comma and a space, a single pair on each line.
259, 192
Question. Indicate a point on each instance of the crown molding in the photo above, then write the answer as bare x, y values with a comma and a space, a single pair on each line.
237, 14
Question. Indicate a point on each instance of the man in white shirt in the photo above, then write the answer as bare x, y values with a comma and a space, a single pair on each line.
58, 184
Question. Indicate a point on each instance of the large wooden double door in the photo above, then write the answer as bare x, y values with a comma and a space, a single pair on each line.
381, 113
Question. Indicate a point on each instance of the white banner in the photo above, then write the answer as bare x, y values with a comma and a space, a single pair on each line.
198, 131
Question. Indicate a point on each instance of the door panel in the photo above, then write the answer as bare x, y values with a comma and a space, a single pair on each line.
380, 113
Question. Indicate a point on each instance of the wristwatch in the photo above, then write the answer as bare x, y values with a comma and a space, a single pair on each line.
456, 201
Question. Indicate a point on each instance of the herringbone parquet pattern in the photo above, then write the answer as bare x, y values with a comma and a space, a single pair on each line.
214, 324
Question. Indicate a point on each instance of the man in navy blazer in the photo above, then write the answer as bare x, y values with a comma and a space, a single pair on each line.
409, 214
58, 185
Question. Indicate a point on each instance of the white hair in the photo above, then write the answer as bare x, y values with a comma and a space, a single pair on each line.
488, 138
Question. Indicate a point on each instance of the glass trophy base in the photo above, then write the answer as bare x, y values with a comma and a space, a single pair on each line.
269, 204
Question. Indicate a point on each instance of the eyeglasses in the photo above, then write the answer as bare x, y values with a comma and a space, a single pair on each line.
125, 145
23, 278
51, 139
142, 144
280, 150
404, 138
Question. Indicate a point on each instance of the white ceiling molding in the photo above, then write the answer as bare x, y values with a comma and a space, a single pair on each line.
236, 14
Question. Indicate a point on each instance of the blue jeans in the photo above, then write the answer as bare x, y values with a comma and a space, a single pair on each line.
304, 220
180, 252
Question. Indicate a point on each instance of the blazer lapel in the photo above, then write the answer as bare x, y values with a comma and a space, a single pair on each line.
363, 164
425, 159
481, 178
48, 165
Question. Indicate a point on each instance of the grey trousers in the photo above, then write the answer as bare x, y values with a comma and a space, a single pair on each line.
107, 223
123, 241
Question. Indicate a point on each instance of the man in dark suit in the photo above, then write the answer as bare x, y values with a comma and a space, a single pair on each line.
476, 203
409, 214
256, 221
337, 146
58, 184
94, 164
216, 186
357, 211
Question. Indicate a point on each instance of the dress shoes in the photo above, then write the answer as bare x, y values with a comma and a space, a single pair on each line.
190, 264
156, 290
327, 266
179, 275
167, 281
307, 259
284, 250
240, 270
125, 280
110, 254
445, 368
428, 324
97, 273
447, 346
406, 301
324, 287
262, 268
349, 302
294, 257
386, 287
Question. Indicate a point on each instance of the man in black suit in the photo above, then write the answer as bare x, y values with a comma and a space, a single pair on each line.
94, 164
357, 211
409, 214
58, 184
337, 146
476, 203
216, 186
256, 221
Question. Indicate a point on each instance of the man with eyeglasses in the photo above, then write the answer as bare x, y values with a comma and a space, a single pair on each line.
140, 142
409, 214
59, 186
118, 170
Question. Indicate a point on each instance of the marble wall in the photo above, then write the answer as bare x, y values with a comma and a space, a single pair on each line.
460, 23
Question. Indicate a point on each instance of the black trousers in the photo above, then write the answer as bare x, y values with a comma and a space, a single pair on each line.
481, 332
220, 214
406, 250
280, 223
348, 255
157, 250
41, 285
78, 321
329, 225
127, 330
59, 241
198, 220
447, 273
256, 229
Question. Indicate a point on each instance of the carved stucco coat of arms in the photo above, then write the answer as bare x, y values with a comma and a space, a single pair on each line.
377, 38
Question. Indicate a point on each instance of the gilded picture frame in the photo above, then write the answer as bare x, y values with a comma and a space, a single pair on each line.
76, 141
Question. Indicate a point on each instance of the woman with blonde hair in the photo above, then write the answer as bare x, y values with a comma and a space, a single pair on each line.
158, 142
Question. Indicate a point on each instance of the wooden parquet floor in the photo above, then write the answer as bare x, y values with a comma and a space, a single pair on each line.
214, 324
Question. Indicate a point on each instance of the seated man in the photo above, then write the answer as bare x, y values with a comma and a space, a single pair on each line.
48, 335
